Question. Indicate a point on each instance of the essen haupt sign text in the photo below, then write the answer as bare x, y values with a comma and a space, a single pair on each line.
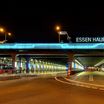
89, 39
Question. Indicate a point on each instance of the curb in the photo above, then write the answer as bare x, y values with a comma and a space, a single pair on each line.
18, 76
88, 85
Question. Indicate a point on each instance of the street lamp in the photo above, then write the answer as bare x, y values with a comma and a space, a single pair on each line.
58, 29
1, 30
9, 34
63, 33
6, 33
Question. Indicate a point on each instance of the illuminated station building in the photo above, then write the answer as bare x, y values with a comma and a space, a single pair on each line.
23, 58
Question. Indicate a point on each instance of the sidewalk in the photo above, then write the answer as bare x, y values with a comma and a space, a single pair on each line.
89, 77
21, 75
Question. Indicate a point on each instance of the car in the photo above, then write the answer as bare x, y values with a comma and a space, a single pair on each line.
4, 68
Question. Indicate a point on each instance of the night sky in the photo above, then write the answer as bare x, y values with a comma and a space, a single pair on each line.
37, 24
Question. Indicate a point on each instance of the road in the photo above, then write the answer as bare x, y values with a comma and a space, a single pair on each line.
46, 91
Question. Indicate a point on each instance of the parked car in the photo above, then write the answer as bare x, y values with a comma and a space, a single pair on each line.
4, 68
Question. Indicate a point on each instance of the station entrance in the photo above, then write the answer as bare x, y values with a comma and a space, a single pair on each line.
49, 58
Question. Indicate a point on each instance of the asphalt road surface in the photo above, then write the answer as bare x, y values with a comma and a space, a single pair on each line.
47, 91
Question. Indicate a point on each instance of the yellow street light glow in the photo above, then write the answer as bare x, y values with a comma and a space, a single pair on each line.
1, 30
9, 34
58, 28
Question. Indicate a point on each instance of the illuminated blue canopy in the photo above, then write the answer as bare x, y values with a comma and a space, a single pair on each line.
52, 46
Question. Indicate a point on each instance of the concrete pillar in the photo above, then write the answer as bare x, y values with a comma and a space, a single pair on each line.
20, 67
74, 65
27, 63
70, 60
13, 61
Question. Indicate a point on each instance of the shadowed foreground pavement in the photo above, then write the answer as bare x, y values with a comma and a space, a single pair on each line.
46, 91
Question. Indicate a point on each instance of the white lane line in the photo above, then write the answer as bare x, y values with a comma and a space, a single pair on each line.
76, 84
93, 86
101, 88
96, 85
70, 83
87, 86
81, 85
62, 81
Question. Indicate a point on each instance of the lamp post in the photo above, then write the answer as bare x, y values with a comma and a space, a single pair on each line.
5, 33
64, 33
58, 29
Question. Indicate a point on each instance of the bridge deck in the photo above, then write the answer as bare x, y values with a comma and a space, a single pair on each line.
52, 46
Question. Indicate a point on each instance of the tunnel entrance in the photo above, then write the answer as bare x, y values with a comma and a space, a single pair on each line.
93, 65
91, 62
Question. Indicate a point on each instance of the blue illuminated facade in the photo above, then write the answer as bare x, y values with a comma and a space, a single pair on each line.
52, 46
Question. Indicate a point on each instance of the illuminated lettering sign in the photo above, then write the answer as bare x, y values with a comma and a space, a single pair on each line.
90, 39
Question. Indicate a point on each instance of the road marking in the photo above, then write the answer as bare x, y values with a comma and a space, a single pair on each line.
61, 81
94, 87
84, 83
81, 84
87, 86
101, 88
